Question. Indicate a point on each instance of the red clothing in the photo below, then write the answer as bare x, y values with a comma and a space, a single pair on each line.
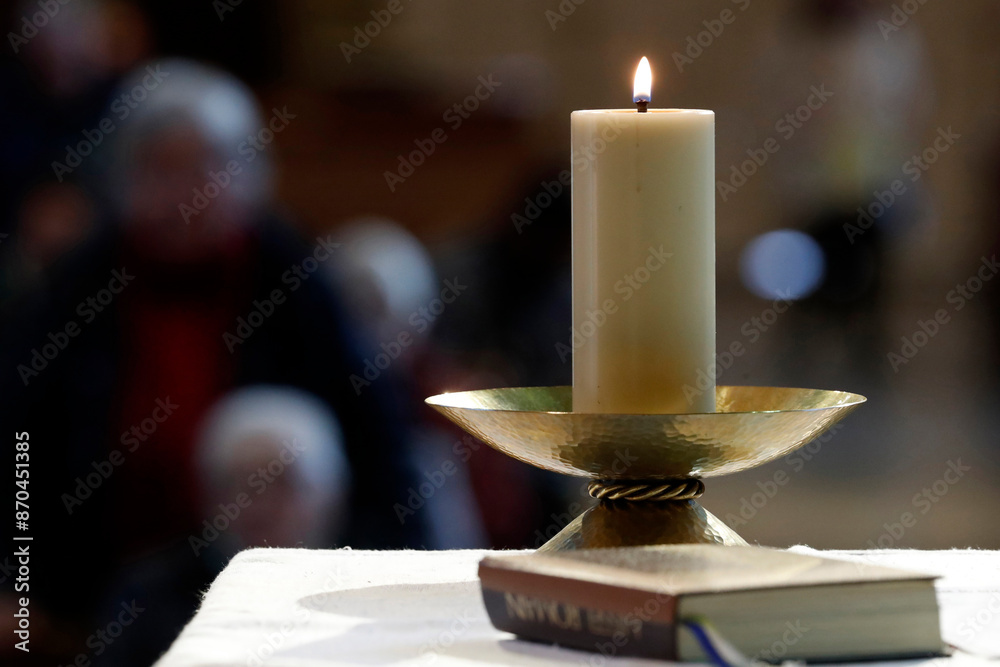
175, 365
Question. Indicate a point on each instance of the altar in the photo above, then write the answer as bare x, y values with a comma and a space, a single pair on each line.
297, 607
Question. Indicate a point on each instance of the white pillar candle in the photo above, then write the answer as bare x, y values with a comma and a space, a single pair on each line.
643, 260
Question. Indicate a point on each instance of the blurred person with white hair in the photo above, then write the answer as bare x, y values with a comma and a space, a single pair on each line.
394, 290
284, 450
193, 288
272, 472
61, 65
391, 271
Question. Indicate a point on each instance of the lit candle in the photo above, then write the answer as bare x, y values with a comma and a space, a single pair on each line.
643, 258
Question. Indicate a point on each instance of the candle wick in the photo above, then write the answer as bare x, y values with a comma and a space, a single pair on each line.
642, 104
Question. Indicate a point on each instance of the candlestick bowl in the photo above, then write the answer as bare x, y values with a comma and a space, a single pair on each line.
646, 470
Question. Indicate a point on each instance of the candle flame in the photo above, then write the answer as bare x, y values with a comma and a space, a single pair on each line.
643, 88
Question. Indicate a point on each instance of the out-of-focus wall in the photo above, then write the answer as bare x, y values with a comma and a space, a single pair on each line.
586, 60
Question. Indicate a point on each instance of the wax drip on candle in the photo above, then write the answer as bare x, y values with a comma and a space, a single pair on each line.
643, 85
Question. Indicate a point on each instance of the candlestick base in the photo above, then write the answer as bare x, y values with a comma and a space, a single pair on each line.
647, 468
617, 524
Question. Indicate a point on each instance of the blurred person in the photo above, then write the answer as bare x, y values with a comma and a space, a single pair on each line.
520, 272
848, 107
52, 219
56, 84
507, 336
273, 473
396, 297
390, 270
164, 309
852, 108
283, 448
871, 112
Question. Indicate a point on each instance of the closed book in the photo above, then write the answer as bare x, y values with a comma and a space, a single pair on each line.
771, 605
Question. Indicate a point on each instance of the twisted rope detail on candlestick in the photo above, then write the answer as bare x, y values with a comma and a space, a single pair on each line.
647, 491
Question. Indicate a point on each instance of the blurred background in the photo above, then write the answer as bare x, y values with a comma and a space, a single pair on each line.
240, 242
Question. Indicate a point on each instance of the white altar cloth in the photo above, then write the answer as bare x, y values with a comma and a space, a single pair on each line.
298, 607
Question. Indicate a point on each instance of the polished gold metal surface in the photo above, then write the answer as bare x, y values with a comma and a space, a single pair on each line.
647, 467
612, 524
753, 425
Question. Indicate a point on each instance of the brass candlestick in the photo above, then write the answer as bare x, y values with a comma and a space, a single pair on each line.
646, 469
